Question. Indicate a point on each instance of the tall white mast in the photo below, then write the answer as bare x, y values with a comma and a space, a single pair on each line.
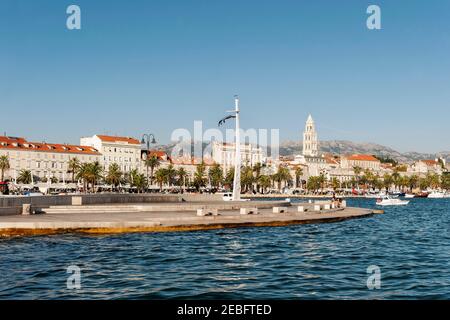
237, 161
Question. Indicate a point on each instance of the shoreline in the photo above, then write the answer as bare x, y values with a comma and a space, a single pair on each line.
91, 222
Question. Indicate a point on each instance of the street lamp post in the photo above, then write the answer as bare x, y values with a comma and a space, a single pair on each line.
148, 138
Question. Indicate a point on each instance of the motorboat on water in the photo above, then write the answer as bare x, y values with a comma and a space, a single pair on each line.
373, 195
409, 195
389, 201
421, 195
438, 195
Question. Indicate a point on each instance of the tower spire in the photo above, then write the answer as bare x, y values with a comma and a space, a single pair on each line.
310, 143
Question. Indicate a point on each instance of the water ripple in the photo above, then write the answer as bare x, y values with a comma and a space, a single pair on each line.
322, 261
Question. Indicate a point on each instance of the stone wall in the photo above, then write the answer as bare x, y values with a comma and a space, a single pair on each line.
13, 205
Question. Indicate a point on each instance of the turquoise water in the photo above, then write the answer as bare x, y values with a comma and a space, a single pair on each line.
410, 245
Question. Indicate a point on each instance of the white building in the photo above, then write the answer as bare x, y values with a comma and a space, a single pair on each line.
225, 154
124, 151
364, 161
310, 142
43, 160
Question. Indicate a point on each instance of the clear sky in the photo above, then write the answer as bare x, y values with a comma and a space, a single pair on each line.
157, 65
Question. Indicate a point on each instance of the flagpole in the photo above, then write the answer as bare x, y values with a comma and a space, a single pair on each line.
237, 162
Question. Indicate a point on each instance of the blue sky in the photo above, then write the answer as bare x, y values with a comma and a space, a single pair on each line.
154, 66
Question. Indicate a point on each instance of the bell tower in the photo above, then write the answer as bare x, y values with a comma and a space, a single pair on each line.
310, 144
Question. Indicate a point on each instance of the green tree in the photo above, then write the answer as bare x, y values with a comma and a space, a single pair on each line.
282, 175
74, 166
182, 175
140, 182
265, 182
114, 175
200, 176
445, 181
161, 177
171, 174
4, 165
313, 183
152, 163
229, 178
298, 175
24, 176
387, 181
90, 173
247, 178
216, 175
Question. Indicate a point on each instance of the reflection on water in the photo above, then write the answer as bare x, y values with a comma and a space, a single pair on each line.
410, 244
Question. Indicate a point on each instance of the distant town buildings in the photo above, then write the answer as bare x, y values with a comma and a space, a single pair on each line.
225, 154
124, 151
51, 161
44, 160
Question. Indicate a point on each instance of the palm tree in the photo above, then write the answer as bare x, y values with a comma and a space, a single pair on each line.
24, 176
229, 178
152, 163
387, 181
140, 182
265, 182
257, 173
171, 174
114, 175
282, 175
199, 177
90, 173
216, 175
321, 179
182, 175
247, 178
74, 166
298, 175
161, 177
4, 165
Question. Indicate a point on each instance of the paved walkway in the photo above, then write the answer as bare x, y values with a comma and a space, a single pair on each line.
160, 221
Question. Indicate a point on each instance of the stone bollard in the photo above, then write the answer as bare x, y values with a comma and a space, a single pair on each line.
77, 201
207, 212
249, 211
326, 207
279, 209
317, 207
300, 209
344, 204
333, 206
26, 209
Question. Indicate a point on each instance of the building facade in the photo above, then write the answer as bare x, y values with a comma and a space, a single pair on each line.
43, 160
225, 154
364, 161
125, 151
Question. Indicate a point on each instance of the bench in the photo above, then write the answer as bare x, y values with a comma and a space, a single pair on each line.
207, 212
279, 210
249, 211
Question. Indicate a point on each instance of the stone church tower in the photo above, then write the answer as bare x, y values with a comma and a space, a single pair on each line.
310, 143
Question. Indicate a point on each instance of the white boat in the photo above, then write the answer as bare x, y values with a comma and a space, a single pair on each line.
374, 195
409, 196
389, 201
437, 195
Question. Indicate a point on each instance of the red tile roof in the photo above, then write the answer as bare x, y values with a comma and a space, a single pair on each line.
20, 144
430, 162
362, 157
118, 139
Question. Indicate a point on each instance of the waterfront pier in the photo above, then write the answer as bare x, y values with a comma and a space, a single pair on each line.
166, 216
